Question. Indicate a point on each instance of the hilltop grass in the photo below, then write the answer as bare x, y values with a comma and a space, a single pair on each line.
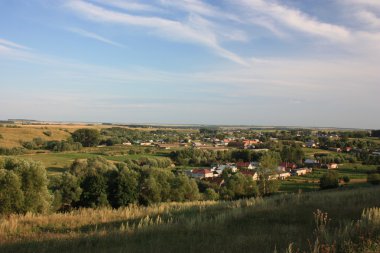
13, 136
254, 225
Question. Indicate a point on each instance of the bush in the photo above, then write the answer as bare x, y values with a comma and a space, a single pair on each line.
47, 133
87, 137
346, 179
373, 178
329, 180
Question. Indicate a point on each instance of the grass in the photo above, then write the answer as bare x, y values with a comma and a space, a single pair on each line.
57, 162
254, 225
12, 136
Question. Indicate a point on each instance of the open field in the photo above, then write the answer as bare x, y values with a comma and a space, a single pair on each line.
255, 225
12, 137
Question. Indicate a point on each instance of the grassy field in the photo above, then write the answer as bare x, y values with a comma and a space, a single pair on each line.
12, 137
254, 225
58, 162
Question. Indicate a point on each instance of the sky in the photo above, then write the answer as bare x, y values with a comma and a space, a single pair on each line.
230, 62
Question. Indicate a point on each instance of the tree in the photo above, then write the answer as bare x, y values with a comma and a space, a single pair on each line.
94, 188
329, 180
373, 178
346, 179
239, 186
11, 195
211, 194
87, 137
68, 192
123, 187
183, 188
34, 182
267, 169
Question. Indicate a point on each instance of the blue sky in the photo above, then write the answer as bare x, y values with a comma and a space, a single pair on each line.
256, 62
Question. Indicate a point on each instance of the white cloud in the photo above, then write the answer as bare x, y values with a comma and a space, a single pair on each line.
92, 35
129, 5
369, 18
167, 28
12, 44
294, 19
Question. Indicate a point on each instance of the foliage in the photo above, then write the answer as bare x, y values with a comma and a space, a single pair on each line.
33, 184
346, 179
266, 171
11, 195
373, 178
12, 151
211, 194
87, 137
329, 180
239, 186
67, 191
123, 187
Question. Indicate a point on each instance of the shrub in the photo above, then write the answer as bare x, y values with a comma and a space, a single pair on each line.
47, 133
329, 180
373, 178
87, 137
346, 179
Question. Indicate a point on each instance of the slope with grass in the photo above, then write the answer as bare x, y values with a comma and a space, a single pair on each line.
254, 225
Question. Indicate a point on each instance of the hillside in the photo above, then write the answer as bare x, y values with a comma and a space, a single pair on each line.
254, 225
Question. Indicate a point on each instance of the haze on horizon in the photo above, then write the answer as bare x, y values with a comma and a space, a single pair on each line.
252, 62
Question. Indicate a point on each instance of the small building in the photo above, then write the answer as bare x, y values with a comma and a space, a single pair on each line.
216, 180
127, 144
310, 144
202, 173
332, 166
283, 175
243, 165
252, 174
299, 172
286, 166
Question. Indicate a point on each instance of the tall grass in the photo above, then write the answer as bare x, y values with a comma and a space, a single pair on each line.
310, 222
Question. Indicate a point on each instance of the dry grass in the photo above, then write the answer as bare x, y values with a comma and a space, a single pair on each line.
253, 225
13, 136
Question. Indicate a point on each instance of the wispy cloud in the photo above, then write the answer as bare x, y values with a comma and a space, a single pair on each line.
170, 29
94, 36
129, 5
291, 18
369, 18
12, 44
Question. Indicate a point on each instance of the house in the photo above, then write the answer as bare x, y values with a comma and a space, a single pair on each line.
167, 146
286, 166
202, 173
283, 175
127, 143
243, 165
310, 162
197, 144
310, 144
252, 174
220, 168
332, 166
216, 180
347, 149
300, 172
253, 165
145, 143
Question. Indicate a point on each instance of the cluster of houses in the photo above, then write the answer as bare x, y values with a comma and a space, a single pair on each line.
283, 171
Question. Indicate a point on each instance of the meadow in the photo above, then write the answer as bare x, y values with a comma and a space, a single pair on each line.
282, 223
